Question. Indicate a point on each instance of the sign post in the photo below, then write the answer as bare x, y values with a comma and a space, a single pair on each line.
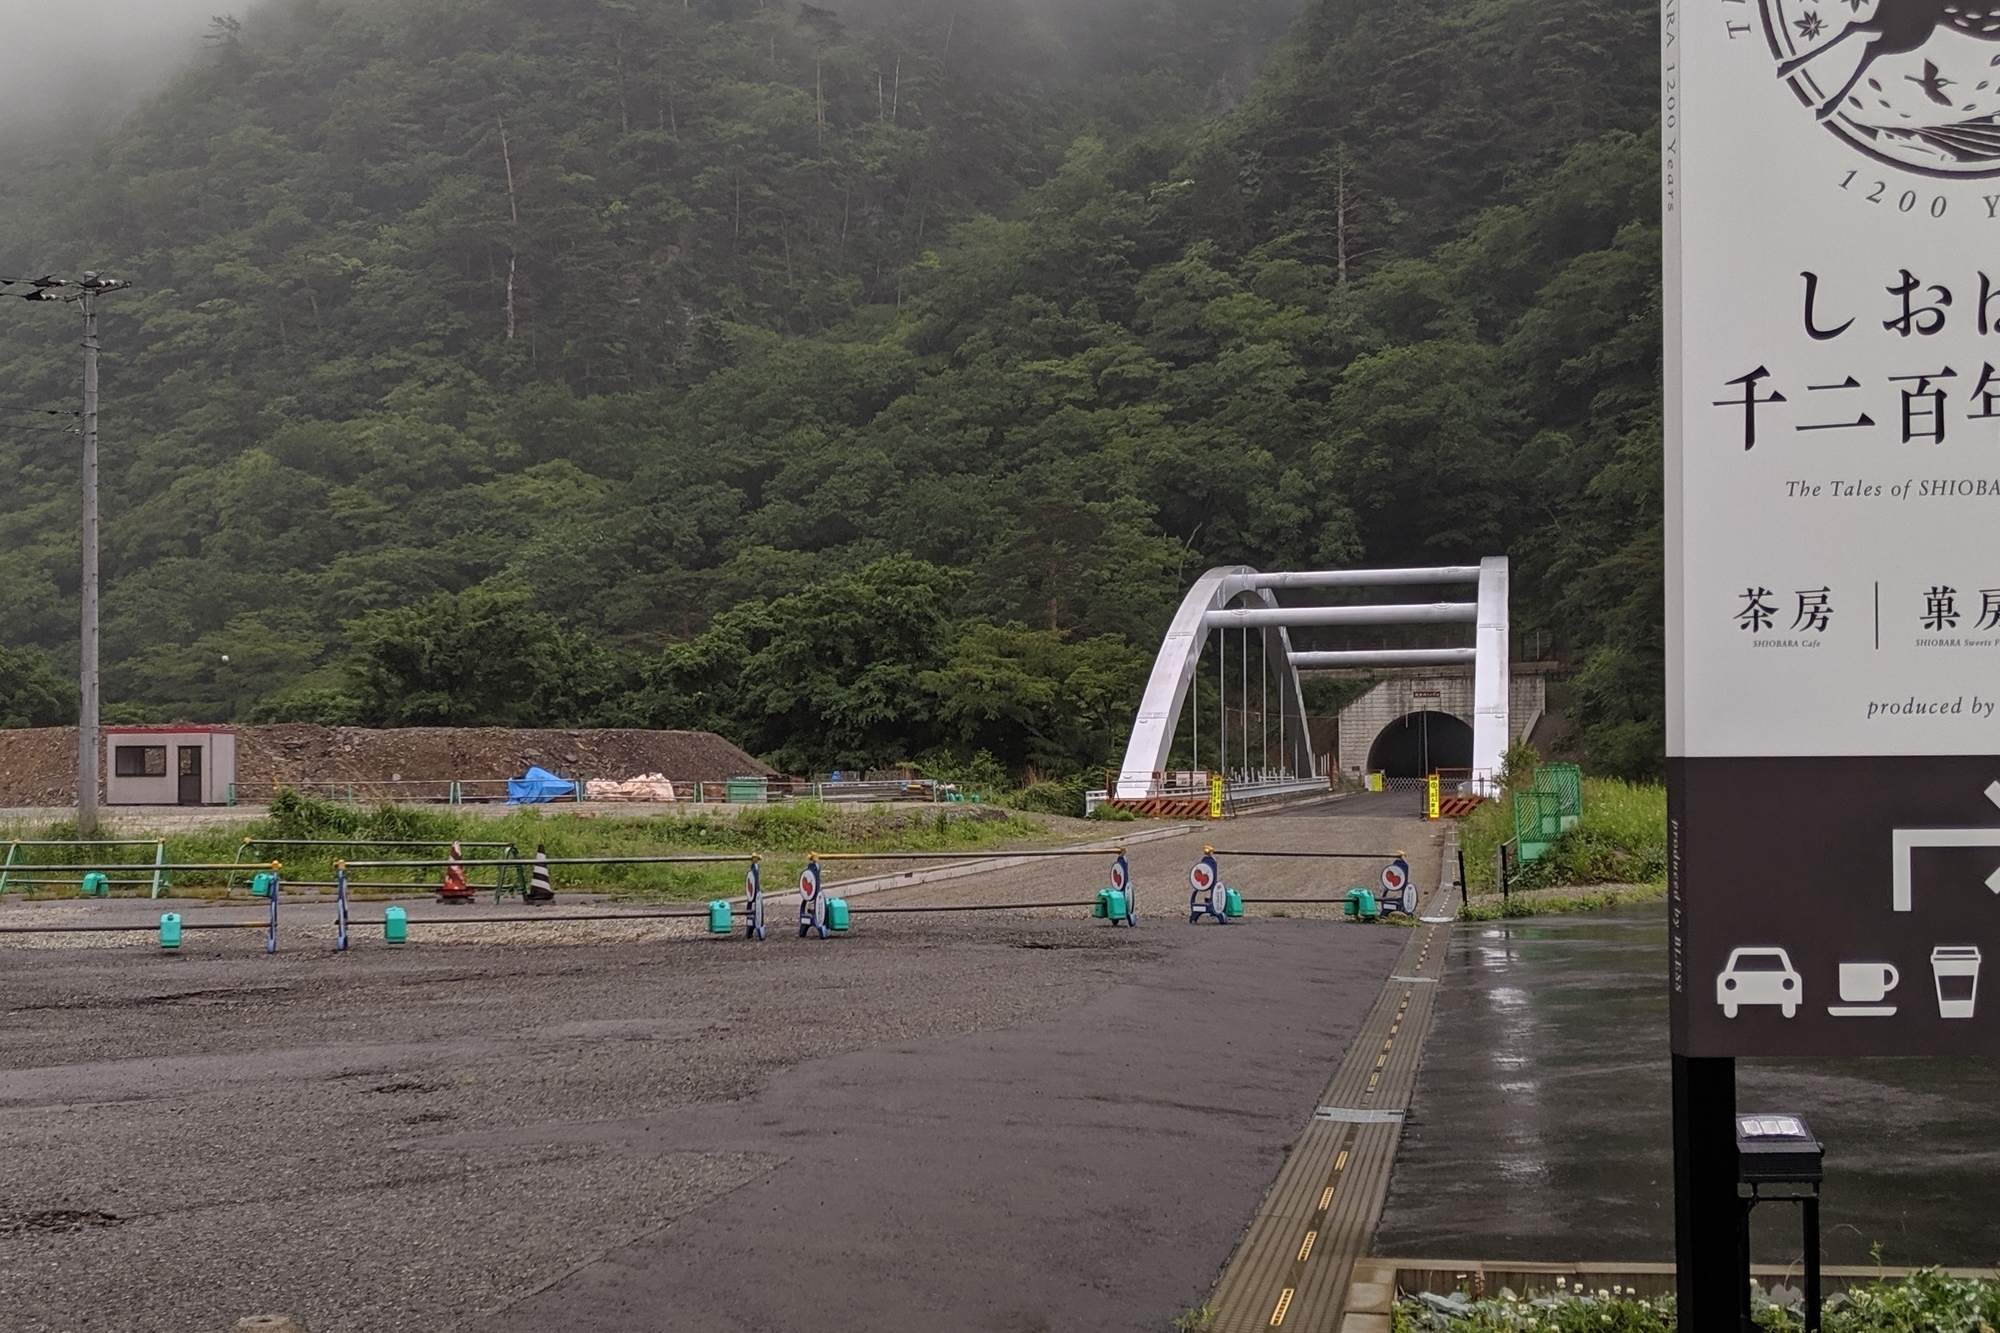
1832, 331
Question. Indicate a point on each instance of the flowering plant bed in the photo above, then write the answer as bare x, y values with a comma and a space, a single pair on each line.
1927, 1301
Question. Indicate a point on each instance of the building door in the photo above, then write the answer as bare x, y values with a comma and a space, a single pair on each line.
190, 770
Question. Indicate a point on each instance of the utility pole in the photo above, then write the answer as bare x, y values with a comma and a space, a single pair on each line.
88, 288
86, 722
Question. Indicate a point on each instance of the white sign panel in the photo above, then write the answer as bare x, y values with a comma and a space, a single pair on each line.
1832, 205
1831, 199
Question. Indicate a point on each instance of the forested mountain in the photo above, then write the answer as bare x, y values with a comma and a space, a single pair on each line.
861, 383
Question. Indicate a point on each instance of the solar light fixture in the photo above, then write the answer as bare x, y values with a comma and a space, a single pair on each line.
1779, 1161
1777, 1148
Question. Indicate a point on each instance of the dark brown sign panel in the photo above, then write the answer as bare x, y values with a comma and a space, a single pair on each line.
1834, 906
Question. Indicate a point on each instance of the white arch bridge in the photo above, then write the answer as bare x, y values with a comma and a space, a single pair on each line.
1279, 757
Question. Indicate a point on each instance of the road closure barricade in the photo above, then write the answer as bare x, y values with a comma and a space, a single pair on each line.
1210, 899
822, 913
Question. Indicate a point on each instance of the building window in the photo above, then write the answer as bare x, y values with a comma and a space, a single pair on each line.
139, 761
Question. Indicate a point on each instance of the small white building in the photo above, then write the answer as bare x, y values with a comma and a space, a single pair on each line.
170, 765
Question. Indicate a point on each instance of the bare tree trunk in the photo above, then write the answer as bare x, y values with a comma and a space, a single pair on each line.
1340, 224
624, 118
514, 221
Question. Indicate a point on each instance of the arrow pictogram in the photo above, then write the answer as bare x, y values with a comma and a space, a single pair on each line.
1906, 840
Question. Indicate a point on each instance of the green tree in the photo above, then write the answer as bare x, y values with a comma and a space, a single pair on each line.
483, 657
1036, 700
828, 676
31, 693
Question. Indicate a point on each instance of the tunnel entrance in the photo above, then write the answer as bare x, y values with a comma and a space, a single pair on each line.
1417, 744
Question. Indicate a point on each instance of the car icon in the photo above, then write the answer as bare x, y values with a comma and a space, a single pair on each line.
1759, 976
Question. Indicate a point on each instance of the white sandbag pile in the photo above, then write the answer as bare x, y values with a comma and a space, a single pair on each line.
648, 787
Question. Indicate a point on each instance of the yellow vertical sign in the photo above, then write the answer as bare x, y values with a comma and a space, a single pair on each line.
1431, 797
1215, 796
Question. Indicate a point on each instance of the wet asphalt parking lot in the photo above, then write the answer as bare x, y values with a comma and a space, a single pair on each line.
1541, 1127
1008, 1121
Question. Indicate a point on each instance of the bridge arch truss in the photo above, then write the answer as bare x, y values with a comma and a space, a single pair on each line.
1209, 608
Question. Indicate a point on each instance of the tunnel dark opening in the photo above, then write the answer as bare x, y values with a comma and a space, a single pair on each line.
1417, 744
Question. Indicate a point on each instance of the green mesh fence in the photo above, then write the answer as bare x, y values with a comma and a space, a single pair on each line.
1565, 783
1553, 802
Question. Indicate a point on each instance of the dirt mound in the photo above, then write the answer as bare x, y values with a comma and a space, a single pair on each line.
38, 764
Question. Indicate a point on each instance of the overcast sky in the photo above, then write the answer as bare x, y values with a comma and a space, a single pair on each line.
94, 58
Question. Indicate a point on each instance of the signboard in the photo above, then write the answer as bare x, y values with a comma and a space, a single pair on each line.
1215, 797
1431, 797
1831, 198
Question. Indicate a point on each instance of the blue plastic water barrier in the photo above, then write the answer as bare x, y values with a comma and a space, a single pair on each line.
538, 785
170, 930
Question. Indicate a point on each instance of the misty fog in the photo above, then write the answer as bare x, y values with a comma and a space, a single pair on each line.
80, 64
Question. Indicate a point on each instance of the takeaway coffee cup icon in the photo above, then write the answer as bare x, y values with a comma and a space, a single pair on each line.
1867, 983
1956, 969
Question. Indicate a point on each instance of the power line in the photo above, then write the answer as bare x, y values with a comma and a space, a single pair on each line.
43, 430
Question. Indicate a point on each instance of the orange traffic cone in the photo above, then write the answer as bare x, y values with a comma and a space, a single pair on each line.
455, 889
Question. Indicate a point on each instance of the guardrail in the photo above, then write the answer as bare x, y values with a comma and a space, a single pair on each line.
509, 870
18, 869
493, 791
1266, 789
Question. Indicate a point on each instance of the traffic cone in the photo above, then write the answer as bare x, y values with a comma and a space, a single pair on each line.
455, 889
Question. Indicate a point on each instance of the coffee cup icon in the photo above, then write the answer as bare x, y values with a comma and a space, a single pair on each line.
1955, 967
1867, 983
1863, 988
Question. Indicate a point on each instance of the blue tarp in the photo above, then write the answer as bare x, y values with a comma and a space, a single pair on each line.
538, 785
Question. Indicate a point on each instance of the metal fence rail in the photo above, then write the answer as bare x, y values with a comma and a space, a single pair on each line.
494, 791
17, 867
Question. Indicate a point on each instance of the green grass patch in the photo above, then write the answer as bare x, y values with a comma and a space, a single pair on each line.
783, 834
1621, 839
1927, 1301
1546, 904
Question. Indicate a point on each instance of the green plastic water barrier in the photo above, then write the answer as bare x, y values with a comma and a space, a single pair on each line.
97, 884
1114, 904
718, 917
1232, 903
395, 925
1360, 904
262, 883
1102, 907
170, 930
836, 914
